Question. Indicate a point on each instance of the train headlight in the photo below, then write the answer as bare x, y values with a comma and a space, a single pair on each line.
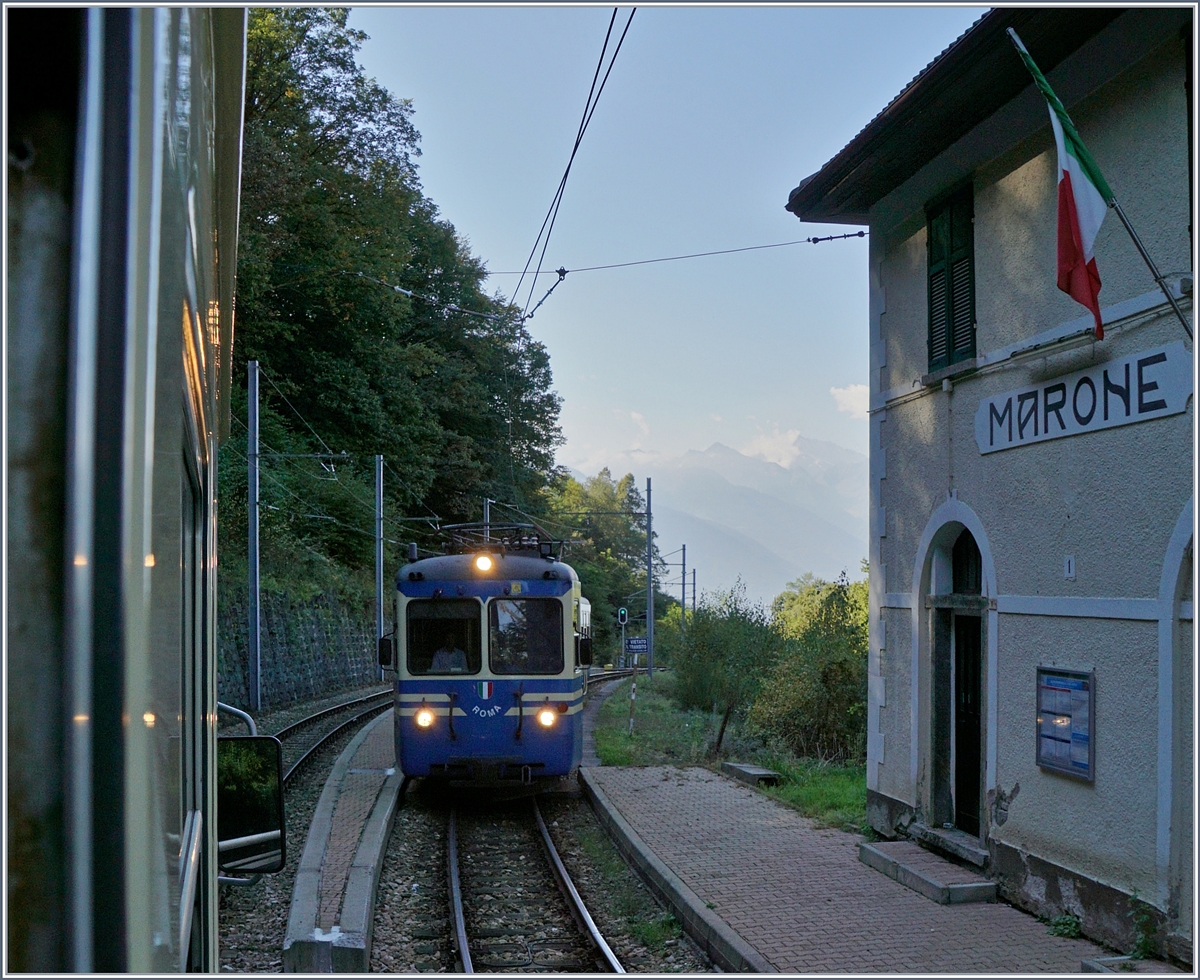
546, 717
483, 562
424, 718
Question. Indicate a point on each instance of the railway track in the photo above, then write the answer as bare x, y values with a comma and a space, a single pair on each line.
513, 907
305, 738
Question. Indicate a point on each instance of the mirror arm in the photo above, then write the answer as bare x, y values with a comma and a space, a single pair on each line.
252, 880
238, 712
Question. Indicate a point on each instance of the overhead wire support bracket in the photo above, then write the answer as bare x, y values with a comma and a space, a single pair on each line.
562, 274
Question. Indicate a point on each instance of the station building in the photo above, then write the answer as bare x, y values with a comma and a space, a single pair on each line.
1031, 587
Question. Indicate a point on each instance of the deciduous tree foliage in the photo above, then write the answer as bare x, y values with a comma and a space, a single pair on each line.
332, 214
602, 519
728, 647
814, 699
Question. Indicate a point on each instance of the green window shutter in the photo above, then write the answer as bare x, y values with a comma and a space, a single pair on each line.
951, 256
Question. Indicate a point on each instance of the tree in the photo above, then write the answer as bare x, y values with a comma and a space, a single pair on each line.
729, 647
604, 524
815, 697
332, 216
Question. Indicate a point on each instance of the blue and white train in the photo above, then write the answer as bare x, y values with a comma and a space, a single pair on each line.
492, 646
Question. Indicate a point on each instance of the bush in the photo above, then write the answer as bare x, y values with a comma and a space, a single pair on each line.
729, 646
814, 699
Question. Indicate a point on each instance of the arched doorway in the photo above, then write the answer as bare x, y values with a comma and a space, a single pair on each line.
958, 713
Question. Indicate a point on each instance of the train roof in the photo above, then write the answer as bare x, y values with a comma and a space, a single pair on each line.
521, 566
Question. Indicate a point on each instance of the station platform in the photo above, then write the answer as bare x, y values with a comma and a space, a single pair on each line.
333, 899
762, 889
759, 887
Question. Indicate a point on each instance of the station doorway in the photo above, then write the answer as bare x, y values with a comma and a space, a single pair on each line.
958, 736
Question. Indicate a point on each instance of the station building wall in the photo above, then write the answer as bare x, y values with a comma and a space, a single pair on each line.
1118, 501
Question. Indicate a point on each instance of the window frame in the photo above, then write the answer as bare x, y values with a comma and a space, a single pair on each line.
957, 249
408, 636
492, 606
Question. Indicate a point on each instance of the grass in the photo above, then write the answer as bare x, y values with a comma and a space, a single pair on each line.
644, 920
664, 734
1066, 926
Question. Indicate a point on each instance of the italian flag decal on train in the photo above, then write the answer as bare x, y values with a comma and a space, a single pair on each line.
484, 688
1083, 200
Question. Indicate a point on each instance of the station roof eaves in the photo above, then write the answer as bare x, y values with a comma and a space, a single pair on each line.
965, 84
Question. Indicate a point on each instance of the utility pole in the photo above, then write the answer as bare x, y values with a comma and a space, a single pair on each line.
379, 553
255, 636
487, 519
693, 594
649, 585
683, 595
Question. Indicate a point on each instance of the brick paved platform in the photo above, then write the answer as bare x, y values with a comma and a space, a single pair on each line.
799, 897
331, 917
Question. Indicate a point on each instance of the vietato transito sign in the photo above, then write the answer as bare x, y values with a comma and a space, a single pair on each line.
1137, 388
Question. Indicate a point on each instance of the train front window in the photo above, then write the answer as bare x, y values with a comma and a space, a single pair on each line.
525, 636
443, 636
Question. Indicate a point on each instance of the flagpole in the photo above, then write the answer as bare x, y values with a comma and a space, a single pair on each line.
1150, 263
1111, 201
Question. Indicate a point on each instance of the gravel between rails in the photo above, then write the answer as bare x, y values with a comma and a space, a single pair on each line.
252, 921
411, 933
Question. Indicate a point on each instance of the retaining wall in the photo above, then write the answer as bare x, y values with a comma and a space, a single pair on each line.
309, 648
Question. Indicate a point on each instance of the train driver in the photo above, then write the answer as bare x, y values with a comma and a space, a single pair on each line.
449, 659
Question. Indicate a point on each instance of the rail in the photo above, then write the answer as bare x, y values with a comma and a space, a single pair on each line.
574, 901
575, 904
320, 743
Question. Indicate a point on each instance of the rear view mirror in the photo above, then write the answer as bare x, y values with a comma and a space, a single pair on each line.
385, 651
585, 651
250, 824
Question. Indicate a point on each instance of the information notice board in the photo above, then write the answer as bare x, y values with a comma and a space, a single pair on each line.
1065, 721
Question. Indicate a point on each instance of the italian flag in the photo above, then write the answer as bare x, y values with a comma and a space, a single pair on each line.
1083, 200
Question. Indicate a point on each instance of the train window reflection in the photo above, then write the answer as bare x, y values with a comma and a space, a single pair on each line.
525, 636
443, 636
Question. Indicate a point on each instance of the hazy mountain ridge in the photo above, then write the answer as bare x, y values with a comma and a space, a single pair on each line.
744, 516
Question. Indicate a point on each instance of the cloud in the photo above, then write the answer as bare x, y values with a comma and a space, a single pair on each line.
776, 447
853, 400
715, 417
640, 420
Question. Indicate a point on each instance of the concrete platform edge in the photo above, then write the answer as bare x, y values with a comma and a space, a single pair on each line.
305, 950
720, 942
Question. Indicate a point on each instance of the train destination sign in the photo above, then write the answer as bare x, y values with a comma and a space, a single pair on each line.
1136, 388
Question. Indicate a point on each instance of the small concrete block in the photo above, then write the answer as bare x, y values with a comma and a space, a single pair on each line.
750, 774
1126, 964
936, 879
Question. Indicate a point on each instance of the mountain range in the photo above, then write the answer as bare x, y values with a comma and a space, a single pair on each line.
742, 516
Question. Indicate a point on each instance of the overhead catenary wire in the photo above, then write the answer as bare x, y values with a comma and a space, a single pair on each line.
563, 272
449, 307
264, 374
589, 110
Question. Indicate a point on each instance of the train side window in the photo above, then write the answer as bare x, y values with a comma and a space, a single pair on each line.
525, 636
443, 637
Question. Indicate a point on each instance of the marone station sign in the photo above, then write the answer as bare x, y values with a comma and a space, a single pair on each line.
1142, 386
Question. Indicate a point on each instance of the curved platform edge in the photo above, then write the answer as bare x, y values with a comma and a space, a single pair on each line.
720, 942
344, 947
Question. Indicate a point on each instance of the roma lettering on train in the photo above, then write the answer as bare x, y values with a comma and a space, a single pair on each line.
1142, 386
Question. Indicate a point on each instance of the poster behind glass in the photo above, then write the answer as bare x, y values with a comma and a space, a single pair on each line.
1065, 713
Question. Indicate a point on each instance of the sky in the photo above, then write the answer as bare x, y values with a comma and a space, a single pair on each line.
710, 117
